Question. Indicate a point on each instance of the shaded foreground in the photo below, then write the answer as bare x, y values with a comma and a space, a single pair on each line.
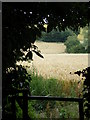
52, 109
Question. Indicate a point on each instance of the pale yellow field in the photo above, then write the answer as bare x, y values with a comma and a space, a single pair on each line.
57, 63
51, 48
60, 65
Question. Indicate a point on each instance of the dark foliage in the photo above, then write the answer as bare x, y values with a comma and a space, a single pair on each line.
74, 47
56, 35
86, 90
19, 34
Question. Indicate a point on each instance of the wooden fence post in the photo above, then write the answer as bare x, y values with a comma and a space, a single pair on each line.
25, 105
81, 113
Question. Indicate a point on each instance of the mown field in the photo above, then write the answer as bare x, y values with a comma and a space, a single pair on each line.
51, 47
56, 63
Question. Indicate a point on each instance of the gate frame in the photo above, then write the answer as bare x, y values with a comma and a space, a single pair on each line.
25, 98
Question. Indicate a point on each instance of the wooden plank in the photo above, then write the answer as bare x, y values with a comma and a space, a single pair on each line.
51, 98
81, 113
25, 106
54, 98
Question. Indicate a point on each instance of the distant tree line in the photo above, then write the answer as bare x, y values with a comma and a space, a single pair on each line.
78, 43
56, 36
72, 39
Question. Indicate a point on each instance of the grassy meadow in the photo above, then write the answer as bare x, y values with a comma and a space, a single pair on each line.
51, 77
41, 86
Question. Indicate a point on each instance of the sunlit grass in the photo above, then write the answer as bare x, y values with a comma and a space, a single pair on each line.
54, 87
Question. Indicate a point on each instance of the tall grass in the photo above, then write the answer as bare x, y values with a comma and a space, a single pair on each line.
40, 86
54, 87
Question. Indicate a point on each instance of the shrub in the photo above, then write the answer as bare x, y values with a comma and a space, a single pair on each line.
78, 49
74, 46
56, 35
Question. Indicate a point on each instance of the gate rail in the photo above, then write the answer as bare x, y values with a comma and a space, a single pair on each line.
25, 98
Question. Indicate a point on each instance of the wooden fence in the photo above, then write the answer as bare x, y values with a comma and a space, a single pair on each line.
25, 99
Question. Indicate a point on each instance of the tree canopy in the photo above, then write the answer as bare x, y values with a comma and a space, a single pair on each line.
19, 20
23, 22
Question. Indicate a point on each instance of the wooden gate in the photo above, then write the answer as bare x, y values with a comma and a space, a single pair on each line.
25, 99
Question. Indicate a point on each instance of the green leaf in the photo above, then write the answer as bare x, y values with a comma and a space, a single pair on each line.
38, 53
29, 55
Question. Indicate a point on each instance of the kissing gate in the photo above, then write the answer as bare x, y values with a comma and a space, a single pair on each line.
25, 99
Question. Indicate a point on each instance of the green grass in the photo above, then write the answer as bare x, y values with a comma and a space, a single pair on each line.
53, 87
40, 86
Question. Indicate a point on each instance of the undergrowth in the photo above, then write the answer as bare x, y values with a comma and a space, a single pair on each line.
52, 87
40, 86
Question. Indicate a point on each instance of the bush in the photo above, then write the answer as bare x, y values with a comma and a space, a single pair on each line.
74, 46
78, 49
56, 35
